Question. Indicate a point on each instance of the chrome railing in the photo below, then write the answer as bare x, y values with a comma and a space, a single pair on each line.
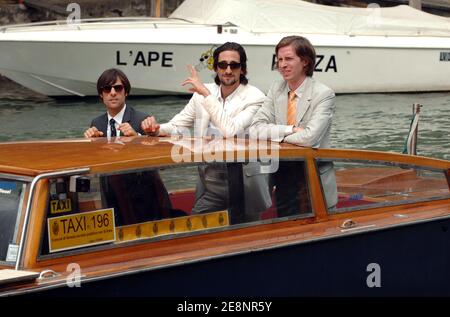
30, 201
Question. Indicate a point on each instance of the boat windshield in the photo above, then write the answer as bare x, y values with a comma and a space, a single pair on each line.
170, 201
11, 200
372, 184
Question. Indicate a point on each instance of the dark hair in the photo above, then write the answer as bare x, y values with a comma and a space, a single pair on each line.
232, 46
303, 48
109, 77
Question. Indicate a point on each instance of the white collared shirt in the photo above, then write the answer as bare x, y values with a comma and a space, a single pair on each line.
118, 118
228, 104
231, 116
299, 91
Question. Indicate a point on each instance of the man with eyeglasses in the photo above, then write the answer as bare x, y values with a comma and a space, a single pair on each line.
113, 87
224, 108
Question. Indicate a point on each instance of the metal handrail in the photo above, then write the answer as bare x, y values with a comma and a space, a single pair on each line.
29, 202
95, 20
47, 274
410, 146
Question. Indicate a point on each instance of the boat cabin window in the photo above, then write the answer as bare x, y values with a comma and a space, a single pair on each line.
171, 201
11, 202
370, 184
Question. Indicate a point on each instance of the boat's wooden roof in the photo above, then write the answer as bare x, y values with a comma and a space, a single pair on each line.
100, 155
36, 157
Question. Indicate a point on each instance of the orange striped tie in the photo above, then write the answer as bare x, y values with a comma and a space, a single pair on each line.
292, 108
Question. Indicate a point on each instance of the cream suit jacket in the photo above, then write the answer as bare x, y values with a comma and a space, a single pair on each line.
232, 118
244, 102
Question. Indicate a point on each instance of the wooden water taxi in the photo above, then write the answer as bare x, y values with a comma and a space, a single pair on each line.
114, 218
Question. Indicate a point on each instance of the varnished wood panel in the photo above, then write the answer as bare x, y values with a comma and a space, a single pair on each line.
31, 158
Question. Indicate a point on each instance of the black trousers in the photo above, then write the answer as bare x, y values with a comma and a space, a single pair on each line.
292, 195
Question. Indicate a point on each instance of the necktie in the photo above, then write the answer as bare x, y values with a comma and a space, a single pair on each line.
292, 108
112, 124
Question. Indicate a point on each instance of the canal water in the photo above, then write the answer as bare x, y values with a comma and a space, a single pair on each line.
361, 121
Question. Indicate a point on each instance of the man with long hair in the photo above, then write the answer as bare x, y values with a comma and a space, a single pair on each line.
224, 108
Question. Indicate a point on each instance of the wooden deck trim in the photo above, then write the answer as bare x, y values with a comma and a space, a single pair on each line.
150, 256
138, 152
175, 245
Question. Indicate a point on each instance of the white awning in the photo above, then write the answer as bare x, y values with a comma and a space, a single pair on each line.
295, 16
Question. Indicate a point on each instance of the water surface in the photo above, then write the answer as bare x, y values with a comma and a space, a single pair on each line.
362, 121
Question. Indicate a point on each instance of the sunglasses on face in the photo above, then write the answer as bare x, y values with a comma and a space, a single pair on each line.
224, 65
107, 88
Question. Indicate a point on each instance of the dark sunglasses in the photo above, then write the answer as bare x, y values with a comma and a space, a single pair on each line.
107, 88
224, 65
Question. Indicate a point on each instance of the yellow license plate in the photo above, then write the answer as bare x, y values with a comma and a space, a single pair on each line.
80, 230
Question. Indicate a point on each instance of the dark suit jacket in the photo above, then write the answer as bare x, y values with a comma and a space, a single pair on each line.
133, 117
135, 197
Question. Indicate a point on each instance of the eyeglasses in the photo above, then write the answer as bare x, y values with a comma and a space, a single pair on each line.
107, 88
224, 65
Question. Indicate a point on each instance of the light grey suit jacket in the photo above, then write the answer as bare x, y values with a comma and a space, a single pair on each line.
315, 110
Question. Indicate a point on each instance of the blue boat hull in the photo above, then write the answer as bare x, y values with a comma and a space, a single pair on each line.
413, 260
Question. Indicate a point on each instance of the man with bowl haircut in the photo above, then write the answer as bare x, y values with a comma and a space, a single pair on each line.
298, 110
120, 119
224, 108
139, 196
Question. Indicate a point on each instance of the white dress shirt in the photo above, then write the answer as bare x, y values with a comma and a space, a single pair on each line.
118, 118
214, 115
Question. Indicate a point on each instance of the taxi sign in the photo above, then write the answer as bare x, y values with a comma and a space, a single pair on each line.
60, 206
81, 229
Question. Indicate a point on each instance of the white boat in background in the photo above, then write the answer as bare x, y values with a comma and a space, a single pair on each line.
396, 49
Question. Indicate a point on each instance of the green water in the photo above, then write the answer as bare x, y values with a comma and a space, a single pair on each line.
364, 121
